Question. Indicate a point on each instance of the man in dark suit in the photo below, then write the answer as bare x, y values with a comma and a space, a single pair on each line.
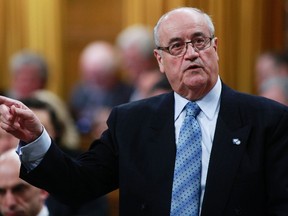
244, 159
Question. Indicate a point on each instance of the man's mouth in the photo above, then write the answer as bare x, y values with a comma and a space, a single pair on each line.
193, 67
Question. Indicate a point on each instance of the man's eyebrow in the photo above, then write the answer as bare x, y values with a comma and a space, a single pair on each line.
196, 34
174, 40
20, 185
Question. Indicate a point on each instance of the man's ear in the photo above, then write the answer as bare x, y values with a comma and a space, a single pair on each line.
159, 60
215, 46
44, 194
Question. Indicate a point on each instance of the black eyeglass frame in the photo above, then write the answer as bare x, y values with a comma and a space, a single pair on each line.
167, 49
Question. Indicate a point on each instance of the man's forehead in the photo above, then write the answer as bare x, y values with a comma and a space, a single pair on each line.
182, 24
11, 182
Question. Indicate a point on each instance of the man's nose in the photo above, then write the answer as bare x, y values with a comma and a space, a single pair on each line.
9, 199
190, 50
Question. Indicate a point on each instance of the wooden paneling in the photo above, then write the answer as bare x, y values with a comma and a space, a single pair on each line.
12, 36
3, 57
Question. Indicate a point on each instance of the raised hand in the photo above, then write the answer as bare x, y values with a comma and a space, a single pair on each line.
19, 120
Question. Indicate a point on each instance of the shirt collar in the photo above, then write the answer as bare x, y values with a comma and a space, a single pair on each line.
208, 104
44, 211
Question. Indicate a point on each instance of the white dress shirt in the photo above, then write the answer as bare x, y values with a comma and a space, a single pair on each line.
44, 211
209, 105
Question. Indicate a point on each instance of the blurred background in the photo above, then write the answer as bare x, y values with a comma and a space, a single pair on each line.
60, 29
70, 34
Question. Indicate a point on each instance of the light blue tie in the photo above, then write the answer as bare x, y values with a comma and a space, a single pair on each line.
187, 173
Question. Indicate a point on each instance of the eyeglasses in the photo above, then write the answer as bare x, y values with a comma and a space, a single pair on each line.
179, 48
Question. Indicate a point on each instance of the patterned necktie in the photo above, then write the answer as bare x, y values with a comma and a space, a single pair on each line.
187, 174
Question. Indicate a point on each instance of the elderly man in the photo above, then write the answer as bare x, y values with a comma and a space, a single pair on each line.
204, 149
100, 84
29, 73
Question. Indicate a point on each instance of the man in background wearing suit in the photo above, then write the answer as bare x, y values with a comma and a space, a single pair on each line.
244, 139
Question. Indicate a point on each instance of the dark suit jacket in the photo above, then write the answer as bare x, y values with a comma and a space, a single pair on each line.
137, 154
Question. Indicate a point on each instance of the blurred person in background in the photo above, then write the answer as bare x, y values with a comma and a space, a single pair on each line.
160, 87
275, 88
135, 44
29, 72
7, 141
146, 82
49, 117
17, 197
70, 137
268, 65
100, 84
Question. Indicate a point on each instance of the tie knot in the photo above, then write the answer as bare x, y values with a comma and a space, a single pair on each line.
192, 109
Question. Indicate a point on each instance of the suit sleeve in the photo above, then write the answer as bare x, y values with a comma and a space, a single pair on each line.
93, 174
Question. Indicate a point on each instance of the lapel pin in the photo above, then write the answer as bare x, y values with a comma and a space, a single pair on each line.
236, 141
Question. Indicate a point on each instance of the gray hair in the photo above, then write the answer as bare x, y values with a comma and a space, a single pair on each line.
281, 82
207, 18
137, 35
26, 57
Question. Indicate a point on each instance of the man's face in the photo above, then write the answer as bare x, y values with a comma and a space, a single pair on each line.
17, 197
7, 141
194, 74
26, 81
265, 68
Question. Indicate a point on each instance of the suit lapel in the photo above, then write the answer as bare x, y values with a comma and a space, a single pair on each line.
228, 146
162, 151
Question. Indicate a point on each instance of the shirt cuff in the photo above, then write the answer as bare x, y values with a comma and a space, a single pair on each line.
31, 154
